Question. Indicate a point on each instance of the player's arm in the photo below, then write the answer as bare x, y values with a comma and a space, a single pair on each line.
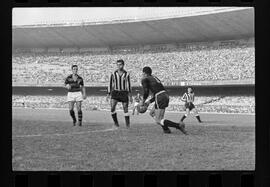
66, 84
184, 99
129, 88
193, 98
145, 85
83, 89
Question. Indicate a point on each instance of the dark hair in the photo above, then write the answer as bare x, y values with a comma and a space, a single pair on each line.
121, 61
147, 70
73, 66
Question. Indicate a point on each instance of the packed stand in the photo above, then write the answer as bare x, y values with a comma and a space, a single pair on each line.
197, 62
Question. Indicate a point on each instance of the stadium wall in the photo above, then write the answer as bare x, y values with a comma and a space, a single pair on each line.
202, 90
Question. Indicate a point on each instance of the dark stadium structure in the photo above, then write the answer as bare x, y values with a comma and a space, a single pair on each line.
223, 24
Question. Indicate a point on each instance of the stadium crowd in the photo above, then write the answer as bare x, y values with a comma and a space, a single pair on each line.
230, 104
197, 62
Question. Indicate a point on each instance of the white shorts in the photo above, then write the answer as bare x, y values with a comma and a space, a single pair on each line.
136, 104
74, 96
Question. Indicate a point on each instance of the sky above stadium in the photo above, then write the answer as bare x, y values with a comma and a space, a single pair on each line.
31, 16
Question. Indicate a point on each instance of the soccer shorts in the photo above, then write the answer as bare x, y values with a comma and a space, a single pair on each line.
161, 100
74, 96
120, 96
189, 106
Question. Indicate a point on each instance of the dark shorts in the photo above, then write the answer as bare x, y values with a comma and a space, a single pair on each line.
189, 106
162, 100
120, 96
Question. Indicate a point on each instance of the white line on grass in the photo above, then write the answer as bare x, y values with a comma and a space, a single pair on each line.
64, 134
181, 112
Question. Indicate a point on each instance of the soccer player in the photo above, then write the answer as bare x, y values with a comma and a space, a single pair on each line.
119, 90
136, 103
76, 93
161, 98
188, 98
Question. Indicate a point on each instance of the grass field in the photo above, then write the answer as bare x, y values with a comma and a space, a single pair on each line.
44, 139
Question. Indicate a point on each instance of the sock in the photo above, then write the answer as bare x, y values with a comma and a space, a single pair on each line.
184, 116
80, 115
72, 114
164, 125
114, 116
169, 123
127, 118
198, 118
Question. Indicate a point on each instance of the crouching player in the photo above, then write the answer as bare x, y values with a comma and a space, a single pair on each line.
161, 98
76, 93
188, 98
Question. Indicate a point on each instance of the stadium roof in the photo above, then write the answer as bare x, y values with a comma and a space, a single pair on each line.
191, 25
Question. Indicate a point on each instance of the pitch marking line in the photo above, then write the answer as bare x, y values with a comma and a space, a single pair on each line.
169, 111
64, 134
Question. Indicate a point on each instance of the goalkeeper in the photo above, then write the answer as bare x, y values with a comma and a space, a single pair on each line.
188, 98
161, 98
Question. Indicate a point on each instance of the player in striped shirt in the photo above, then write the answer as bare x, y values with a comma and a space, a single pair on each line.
119, 90
188, 98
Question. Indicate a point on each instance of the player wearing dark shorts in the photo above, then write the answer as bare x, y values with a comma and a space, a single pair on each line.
76, 93
119, 90
188, 98
161, 99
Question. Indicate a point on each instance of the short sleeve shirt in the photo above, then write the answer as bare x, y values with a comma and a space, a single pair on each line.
75, 85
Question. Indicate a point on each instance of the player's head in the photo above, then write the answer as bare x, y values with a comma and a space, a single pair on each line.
190, 90
147, 71
74, 69
120, 64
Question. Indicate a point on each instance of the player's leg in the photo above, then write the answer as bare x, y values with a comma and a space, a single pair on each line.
162, 103
79, 110
133, 110
137, 109
196, 113
125, 108
152, 112
71, 111
186, 114
113, 112
159, 116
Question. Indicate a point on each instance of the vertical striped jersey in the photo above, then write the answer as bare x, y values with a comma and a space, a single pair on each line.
188, 97
119, 82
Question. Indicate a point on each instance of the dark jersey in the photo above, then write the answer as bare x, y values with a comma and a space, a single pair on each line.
75, 85
153, 84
